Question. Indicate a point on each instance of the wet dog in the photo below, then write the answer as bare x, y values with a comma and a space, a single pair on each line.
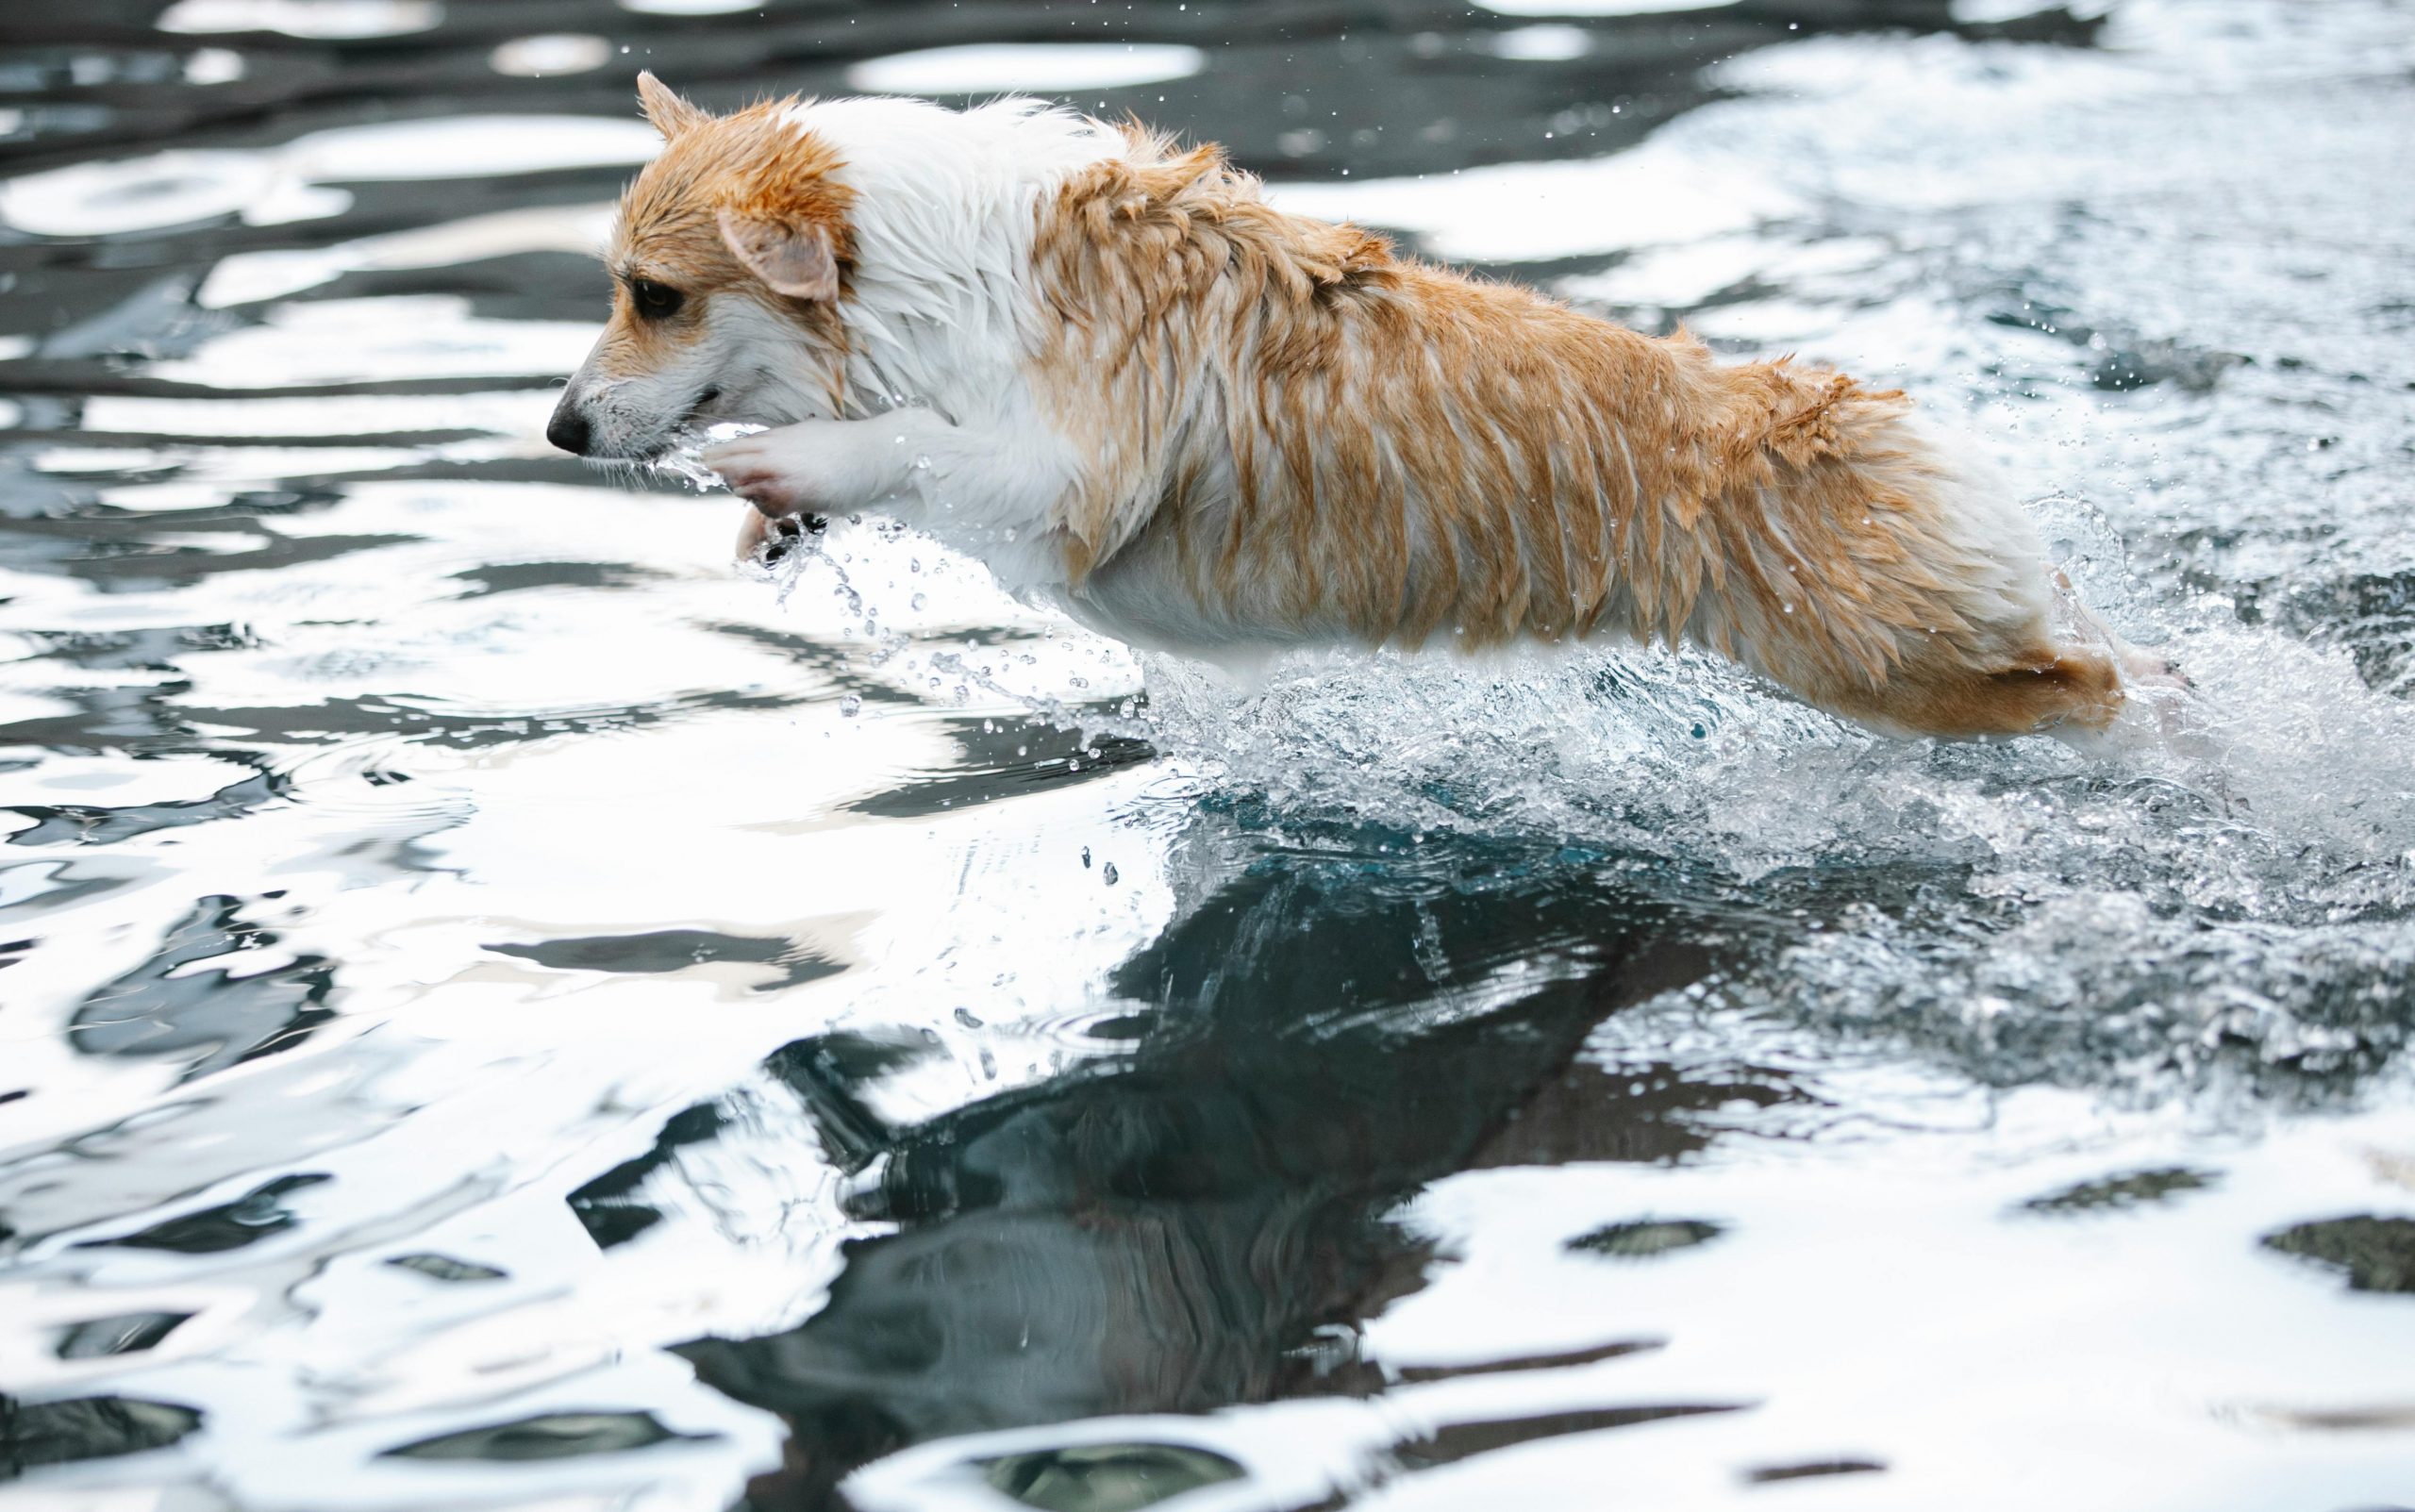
1111, 371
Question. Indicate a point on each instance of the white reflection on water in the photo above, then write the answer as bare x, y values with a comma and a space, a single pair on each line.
1541, 44
289, 183
550, 53
256, 278
339, 340
1650, 197
1044, 68
325, 20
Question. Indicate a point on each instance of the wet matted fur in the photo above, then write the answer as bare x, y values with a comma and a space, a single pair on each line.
1105, 366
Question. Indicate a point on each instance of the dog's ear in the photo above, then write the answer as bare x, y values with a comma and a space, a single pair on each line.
670, 114
797, 257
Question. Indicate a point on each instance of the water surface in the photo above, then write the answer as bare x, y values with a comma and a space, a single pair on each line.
499, 1007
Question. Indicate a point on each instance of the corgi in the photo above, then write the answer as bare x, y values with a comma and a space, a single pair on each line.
1109, 369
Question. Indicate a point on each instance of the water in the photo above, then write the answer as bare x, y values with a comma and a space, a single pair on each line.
500, 1007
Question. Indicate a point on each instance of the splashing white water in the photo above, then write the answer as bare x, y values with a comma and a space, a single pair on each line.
685, 460
2136, 915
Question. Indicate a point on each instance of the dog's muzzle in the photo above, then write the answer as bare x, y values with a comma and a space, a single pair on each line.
569, 429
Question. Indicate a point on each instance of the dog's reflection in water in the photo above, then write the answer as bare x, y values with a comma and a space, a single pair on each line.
1201, 1223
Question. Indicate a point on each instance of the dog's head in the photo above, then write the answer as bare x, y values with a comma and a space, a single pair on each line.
728, 259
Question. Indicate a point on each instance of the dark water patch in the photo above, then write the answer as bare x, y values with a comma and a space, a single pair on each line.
829, 1073
1001, 758
1647, 1238
66, 885
513, 577
2119, 359
251, 1218
675, 950
608, 1207
126, 1334
529, 286
1212, 1198
135, 720
1812, 1470
79, 380
2376, 1254
1568, 1359
60, 431
2172, 1010
551, 1435
2372, 614
155, 648
2395, 1419
87, 824
112, 551
340, 721
1106, 1477
841, 664
2122, 1193
1465, 1441
445, 1268
212, 1019
126, 563
114, 312
102, 1427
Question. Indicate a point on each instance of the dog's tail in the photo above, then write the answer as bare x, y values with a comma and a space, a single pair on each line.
1885, 574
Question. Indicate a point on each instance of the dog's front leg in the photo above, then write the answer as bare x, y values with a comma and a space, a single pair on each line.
819, 467
995, 490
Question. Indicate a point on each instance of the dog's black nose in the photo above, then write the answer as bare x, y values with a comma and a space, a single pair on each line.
568, 429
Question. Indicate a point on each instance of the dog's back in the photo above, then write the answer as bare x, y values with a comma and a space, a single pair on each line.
1298, 435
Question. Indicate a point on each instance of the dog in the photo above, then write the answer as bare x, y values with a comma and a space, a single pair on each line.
1108, 368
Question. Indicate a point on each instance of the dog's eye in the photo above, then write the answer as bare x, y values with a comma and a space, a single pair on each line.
655, 301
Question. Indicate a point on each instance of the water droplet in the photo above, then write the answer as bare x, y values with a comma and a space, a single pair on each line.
1109, 873
851, 706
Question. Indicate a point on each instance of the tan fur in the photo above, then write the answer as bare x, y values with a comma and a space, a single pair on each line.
1414, 453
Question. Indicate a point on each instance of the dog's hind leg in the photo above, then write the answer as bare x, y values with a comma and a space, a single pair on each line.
2074, 619
2070, 691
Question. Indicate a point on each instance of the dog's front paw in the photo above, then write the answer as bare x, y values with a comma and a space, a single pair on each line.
766, 540
765, 470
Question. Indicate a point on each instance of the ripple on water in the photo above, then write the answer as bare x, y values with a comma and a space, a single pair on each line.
496, 1006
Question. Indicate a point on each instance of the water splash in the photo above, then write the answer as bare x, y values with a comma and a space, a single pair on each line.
2133, 915
685, 460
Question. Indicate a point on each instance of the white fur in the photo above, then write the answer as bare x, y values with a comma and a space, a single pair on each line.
940, 318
